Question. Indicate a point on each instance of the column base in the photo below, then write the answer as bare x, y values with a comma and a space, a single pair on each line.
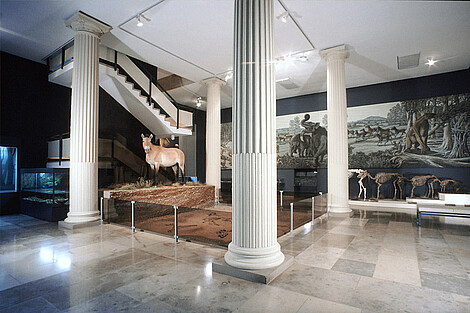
73, 226
254, 258
257, 276
79, 217
335, 208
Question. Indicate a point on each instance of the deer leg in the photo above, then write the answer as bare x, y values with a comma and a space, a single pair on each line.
175, 171
401, 191
378, 191
412, 191
157, 167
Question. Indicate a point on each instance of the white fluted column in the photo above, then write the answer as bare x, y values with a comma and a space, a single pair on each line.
83, 205
213, 132
254, 214
338, 189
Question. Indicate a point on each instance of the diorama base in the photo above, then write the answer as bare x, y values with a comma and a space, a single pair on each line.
258, 276
72, 226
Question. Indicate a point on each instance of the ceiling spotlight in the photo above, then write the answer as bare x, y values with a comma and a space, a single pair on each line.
228, 76
139, 21
283, 17
303, 58
431, 62
199, 102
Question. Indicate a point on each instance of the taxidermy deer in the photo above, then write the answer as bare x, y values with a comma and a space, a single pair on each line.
159, 156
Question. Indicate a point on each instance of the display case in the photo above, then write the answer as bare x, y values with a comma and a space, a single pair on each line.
45, 193
8, 169
305, 181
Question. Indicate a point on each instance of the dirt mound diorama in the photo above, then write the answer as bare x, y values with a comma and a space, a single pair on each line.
200, 217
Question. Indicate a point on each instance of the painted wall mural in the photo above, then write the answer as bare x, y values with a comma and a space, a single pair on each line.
432, 132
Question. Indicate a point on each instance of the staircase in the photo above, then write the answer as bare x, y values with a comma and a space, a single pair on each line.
135, 90
113, 155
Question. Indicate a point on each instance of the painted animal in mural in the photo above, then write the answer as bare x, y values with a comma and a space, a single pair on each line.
382, 178
319, 141
417, 135
301, 145
158, 156
311, 142
422, 180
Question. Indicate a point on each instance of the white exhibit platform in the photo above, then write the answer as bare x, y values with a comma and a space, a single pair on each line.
392, 206
451, 208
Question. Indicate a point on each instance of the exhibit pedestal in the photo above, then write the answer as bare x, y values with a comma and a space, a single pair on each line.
264, 276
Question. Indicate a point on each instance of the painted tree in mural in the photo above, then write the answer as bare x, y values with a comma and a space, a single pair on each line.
397, 115
459, 121
447, 122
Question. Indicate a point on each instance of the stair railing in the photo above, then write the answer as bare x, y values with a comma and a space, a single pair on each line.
52, 60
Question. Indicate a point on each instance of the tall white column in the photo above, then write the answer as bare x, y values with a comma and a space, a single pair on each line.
254, 214
213, 132
338, 189
83, 205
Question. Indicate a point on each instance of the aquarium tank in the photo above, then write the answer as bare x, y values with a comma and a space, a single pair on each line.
8, 169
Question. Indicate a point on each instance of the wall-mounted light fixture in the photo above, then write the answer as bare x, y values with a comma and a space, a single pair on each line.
199, 102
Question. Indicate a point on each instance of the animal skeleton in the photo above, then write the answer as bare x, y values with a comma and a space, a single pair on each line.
418, 181
382, 178
361, 174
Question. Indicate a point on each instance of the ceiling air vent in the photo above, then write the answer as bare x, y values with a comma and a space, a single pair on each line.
287, 83
408, 61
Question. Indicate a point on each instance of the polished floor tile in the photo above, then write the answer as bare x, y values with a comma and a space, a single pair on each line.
318, 256
378, 263
354, 267
398, 269
445, 283
273, 300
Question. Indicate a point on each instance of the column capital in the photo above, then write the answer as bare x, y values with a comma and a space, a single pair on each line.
335, 53
214, 80
83, 22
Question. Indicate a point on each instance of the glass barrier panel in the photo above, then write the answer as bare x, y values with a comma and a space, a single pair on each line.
302, 211
320, 206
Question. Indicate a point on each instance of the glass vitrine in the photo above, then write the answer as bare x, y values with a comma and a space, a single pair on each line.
8, 169
45, 193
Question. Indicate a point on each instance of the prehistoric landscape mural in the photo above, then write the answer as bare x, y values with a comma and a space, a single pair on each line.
432, 132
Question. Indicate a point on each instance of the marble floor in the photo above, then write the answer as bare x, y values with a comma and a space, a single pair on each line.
379, 263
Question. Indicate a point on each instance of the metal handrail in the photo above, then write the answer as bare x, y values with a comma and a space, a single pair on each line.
61, 50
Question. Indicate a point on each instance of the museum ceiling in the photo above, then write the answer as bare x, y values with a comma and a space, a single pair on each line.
192, 39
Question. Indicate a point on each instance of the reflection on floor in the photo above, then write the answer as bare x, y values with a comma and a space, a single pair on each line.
381, 263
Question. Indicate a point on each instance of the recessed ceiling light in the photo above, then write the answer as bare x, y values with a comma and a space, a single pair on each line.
431, 62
